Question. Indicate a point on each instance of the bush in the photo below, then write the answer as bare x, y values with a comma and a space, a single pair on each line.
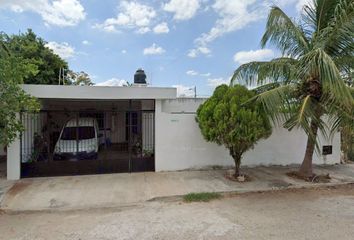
232, 119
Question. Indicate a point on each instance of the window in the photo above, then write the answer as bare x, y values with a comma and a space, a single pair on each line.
69, 133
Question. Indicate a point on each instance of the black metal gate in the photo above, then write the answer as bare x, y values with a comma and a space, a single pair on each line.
58, 143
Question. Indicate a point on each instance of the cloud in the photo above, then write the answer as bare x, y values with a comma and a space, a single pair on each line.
63, 49
154, 50
161, 28
124, 51
113, 82
214, 82
301, 3
85, 42
191, 73
143, 30
182, 9
132, 15
257, 55
60, 12
193, 53
195, 73
184, 91
233, 15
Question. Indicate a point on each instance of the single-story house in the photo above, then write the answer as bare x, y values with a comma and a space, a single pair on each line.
96, 129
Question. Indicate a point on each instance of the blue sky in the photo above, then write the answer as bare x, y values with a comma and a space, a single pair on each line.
182, 43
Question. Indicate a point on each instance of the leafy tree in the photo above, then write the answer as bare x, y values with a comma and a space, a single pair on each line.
13, 99
226, 118
306, 85
78, 78
32, 49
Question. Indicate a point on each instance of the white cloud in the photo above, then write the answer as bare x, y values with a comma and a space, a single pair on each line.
124, 51
192, 73
233, 15
182, 9
184, 91
60, 12
85, 42
143, 30
161, 28
63, 49
153, 50
113, 82
301, 3
132, 15
257, 55
193, 53
214, 82
195, 73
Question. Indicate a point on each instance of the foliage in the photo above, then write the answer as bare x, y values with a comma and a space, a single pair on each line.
78, 78
201, 197
309, 80
230, 119
13, 100
32, 49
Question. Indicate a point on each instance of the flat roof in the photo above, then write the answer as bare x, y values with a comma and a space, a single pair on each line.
98, 92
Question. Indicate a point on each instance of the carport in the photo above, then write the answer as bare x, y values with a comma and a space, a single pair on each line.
87, 130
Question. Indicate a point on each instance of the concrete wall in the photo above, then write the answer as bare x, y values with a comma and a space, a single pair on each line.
180, 145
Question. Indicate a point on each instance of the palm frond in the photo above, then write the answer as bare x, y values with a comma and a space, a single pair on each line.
284, 34
319, 64
260, 73
306, 113
276, 102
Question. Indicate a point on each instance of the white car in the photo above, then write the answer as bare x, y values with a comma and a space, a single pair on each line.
78, 140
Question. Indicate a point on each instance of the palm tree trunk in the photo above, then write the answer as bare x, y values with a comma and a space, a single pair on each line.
306, 166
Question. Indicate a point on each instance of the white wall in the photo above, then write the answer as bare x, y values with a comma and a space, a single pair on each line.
180, 145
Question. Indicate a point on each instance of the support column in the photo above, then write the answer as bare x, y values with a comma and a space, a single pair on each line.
14, 160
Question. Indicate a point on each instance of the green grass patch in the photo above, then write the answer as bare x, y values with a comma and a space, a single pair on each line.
201, 197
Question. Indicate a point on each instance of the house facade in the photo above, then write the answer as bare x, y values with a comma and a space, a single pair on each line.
94, 130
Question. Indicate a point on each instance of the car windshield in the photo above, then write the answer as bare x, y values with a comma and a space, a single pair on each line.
69, 133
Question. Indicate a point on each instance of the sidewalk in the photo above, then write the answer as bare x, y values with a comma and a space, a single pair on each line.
112, 190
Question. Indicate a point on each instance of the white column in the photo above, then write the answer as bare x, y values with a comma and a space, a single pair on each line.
158, 106
14, 160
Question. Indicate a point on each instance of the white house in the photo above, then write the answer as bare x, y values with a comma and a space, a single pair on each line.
137, 128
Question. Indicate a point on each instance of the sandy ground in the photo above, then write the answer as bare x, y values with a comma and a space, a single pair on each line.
290, 214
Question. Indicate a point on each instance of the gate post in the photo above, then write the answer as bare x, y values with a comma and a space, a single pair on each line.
14, 158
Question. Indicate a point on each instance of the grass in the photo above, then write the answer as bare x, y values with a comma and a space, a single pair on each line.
201, 197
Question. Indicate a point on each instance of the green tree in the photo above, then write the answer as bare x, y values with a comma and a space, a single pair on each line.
227, 119
13, 99
78, 78
32, 49
306, 85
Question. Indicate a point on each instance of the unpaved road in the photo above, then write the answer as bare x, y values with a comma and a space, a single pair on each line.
293, 214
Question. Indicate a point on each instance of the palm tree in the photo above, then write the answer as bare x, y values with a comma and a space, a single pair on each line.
305, 87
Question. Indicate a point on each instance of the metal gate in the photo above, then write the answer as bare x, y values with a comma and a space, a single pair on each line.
57, 143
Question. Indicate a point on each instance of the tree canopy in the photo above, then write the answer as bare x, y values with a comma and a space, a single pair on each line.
13, 70
229, 118
311, 79
32, 49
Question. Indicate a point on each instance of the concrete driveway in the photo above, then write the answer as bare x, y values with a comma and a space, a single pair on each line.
110, 190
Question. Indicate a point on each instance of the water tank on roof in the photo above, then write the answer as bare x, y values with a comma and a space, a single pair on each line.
140, 77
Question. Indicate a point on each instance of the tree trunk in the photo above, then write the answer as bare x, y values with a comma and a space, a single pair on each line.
237, 160
306, 166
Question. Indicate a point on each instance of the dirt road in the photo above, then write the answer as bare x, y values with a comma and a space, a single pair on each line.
293, 214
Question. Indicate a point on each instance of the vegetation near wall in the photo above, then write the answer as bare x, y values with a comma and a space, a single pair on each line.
230, 118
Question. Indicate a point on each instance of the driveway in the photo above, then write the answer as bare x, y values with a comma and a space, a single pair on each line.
112, 190
324, 214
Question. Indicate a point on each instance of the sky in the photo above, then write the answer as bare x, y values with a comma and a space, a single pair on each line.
179, 43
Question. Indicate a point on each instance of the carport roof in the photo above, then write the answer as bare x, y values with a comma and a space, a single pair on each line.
99, 92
